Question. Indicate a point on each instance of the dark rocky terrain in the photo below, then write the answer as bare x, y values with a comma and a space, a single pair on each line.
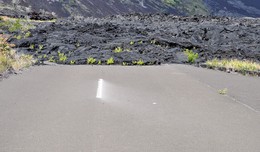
154, 39
101, 8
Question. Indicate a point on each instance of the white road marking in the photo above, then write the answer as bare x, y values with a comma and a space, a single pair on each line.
99, 88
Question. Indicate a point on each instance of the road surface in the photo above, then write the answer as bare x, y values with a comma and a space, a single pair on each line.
169, 108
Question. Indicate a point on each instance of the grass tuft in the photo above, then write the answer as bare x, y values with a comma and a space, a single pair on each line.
234, 64
223, 91
10, 60
14, 24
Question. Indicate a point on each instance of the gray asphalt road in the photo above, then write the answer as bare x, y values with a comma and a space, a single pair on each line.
172, 108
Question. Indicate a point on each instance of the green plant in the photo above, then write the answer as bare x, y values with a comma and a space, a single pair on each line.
151, 63
13, 24
51, 59
192, 57
118, 50
128, 50
99, 62
45, 56
223, 91
40, 46
19, 37
140, 42
132, 43
5, 63
91, 60
16, 26
139, 62
62, 57
27, 34
31, 46
110, 61
77, 44
72, 62
125, 64
153, 41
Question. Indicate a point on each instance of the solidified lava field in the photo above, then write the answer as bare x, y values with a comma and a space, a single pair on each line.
153, 38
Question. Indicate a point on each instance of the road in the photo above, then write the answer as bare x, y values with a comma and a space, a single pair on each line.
169, 108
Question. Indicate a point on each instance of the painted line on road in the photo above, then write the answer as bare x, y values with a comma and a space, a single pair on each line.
100, 89
230, 97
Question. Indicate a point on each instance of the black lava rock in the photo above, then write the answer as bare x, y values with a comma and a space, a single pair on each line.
152, 38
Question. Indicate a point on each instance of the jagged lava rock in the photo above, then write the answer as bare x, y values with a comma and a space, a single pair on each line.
153, 38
